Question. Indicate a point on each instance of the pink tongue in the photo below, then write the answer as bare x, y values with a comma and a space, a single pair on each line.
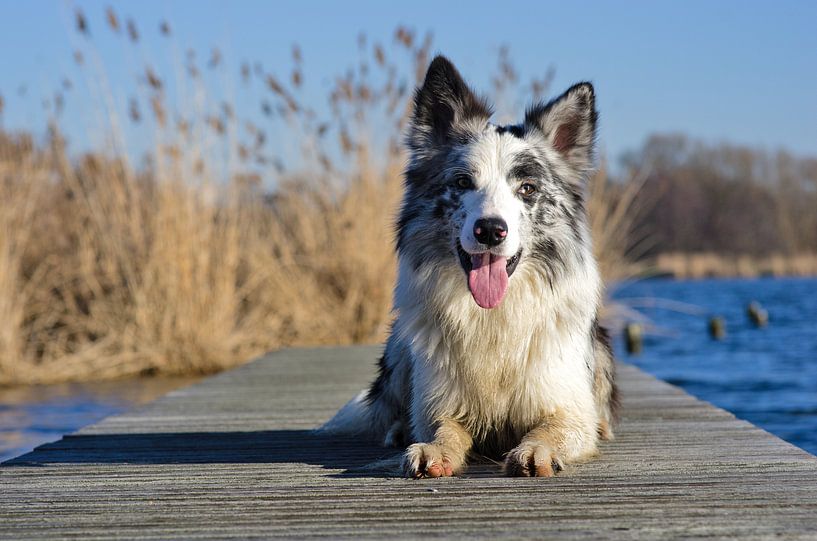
488, 279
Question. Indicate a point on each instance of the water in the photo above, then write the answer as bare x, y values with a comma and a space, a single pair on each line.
31, 416
767, 376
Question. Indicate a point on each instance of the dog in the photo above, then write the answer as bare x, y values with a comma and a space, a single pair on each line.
496, 347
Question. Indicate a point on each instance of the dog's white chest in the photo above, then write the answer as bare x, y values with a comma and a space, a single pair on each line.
506, 381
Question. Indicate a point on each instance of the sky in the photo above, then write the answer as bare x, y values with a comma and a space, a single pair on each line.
738, 71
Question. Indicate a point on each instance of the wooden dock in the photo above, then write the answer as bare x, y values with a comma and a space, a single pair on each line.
233, 457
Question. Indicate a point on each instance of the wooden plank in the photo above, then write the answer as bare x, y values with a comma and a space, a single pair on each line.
233, 457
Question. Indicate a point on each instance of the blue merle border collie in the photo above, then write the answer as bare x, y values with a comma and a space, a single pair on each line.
496, 349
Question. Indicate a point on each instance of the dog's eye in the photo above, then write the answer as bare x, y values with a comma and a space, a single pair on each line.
465, 182
526, 190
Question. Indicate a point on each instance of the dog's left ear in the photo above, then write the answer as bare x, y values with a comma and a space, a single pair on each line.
569, 125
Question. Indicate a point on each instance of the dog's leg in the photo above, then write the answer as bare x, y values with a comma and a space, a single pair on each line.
605, 391
395, 437
443, 457
545, 449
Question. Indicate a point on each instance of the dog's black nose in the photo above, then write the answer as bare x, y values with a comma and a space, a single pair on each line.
490, 231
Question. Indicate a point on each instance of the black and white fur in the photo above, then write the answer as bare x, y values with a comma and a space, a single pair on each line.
531, 379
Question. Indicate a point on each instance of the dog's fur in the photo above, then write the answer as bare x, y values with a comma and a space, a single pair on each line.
531, 378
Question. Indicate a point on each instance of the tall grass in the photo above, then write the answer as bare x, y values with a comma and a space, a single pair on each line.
193, 263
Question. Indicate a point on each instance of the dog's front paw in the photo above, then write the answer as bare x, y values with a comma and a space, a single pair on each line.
532, 460
426, 460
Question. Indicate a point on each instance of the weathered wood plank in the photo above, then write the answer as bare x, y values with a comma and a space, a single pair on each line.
233, 457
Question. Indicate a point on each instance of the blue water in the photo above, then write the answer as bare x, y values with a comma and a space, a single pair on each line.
767, 376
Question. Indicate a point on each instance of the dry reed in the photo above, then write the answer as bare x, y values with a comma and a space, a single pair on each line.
108, 271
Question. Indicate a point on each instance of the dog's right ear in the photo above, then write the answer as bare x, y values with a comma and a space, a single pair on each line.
445, 109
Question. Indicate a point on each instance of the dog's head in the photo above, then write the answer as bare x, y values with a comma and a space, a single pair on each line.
487, 197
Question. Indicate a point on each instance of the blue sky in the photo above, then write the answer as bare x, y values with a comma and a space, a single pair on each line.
738, 71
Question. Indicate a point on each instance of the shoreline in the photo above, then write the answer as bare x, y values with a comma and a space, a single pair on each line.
686, 266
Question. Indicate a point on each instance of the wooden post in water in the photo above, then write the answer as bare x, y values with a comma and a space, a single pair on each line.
757, 314
717, 327
633, 338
